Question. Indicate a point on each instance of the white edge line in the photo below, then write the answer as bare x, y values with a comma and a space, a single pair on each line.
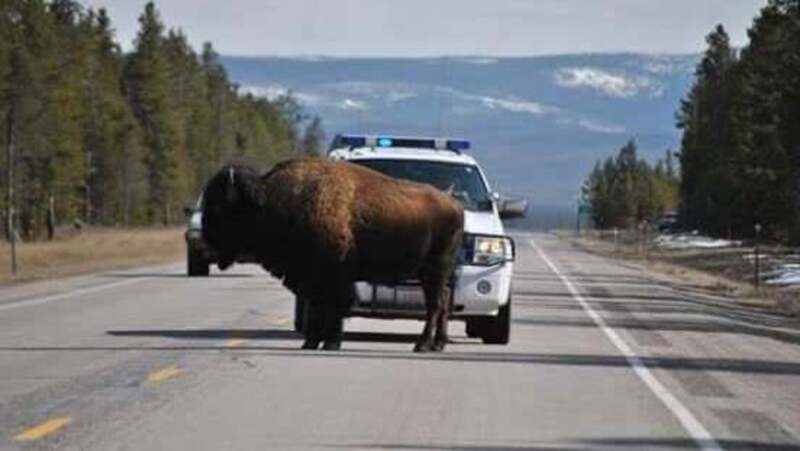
30, 302
691, 424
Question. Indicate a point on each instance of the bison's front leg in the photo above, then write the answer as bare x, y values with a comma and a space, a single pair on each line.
332, 329
338, 311
315, 325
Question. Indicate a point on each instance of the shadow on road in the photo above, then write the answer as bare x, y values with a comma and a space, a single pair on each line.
261, 334
747, 366
172, 275
219, 334
606, 444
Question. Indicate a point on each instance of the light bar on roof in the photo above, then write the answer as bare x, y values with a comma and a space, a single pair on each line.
457, 144
352, 141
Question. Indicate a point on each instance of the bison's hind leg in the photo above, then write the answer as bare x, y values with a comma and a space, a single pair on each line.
432, 285
445, 304
337, 308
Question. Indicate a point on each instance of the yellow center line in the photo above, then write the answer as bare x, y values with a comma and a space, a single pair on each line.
163, 374
43, 429
236, 342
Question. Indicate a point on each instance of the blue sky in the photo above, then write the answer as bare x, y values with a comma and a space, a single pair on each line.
442, 27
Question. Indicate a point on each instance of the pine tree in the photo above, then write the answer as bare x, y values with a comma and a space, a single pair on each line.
147, 83
707, 149
313, 137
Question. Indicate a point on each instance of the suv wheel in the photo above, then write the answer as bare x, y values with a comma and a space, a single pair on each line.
473, 326
196, 265
497, 330
300, 314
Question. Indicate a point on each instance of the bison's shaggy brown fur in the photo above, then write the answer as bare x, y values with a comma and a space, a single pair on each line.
320, 225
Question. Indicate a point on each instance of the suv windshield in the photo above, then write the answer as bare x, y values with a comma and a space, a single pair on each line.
464, 181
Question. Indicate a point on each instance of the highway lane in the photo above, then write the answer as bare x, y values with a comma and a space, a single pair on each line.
603, 356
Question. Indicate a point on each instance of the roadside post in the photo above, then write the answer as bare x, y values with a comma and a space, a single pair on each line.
641, 237
757, 275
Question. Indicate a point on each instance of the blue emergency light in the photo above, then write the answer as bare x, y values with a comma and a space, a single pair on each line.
353, 141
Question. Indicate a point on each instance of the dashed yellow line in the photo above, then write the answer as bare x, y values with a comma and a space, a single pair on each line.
41, 430
163, 374
234, 343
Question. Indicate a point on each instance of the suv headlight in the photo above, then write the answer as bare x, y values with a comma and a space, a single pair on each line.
490, 250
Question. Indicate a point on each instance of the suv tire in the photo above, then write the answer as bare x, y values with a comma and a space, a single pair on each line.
196, 265
497, 330
473, 327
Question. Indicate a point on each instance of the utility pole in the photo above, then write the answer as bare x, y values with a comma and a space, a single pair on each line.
88, 191
10, 158
757, 252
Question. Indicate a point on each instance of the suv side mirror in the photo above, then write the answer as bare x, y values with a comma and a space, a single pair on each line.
188, 211
512, 208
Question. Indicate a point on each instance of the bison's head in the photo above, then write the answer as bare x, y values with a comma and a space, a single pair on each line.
230, 213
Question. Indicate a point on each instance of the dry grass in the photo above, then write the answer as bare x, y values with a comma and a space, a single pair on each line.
92, 250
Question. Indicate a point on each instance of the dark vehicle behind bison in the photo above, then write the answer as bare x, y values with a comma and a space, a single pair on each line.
321, 225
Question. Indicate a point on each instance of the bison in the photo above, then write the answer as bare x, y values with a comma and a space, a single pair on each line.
320, 225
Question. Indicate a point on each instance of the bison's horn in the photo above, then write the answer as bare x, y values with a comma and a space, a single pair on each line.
231, 191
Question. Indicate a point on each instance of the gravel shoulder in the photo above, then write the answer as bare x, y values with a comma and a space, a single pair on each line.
725, 274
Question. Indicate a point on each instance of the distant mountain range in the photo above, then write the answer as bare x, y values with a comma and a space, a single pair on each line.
537, 124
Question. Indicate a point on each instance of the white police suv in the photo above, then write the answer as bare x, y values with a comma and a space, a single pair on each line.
482, 279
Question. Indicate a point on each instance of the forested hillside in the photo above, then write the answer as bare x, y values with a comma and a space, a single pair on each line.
121, 138
740, 149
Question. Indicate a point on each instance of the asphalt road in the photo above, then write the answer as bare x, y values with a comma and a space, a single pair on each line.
603, 356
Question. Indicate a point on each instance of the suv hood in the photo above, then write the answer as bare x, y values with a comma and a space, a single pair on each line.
476, 222
483, 222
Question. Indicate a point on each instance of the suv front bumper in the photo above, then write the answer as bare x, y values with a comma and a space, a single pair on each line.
478, 291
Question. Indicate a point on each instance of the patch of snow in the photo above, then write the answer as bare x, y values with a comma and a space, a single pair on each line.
610, 84
351, 104
478, 60
693, 241
786, 279
514, 105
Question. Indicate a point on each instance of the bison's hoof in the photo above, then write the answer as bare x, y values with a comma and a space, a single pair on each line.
422, 347
332, 346
310, 344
